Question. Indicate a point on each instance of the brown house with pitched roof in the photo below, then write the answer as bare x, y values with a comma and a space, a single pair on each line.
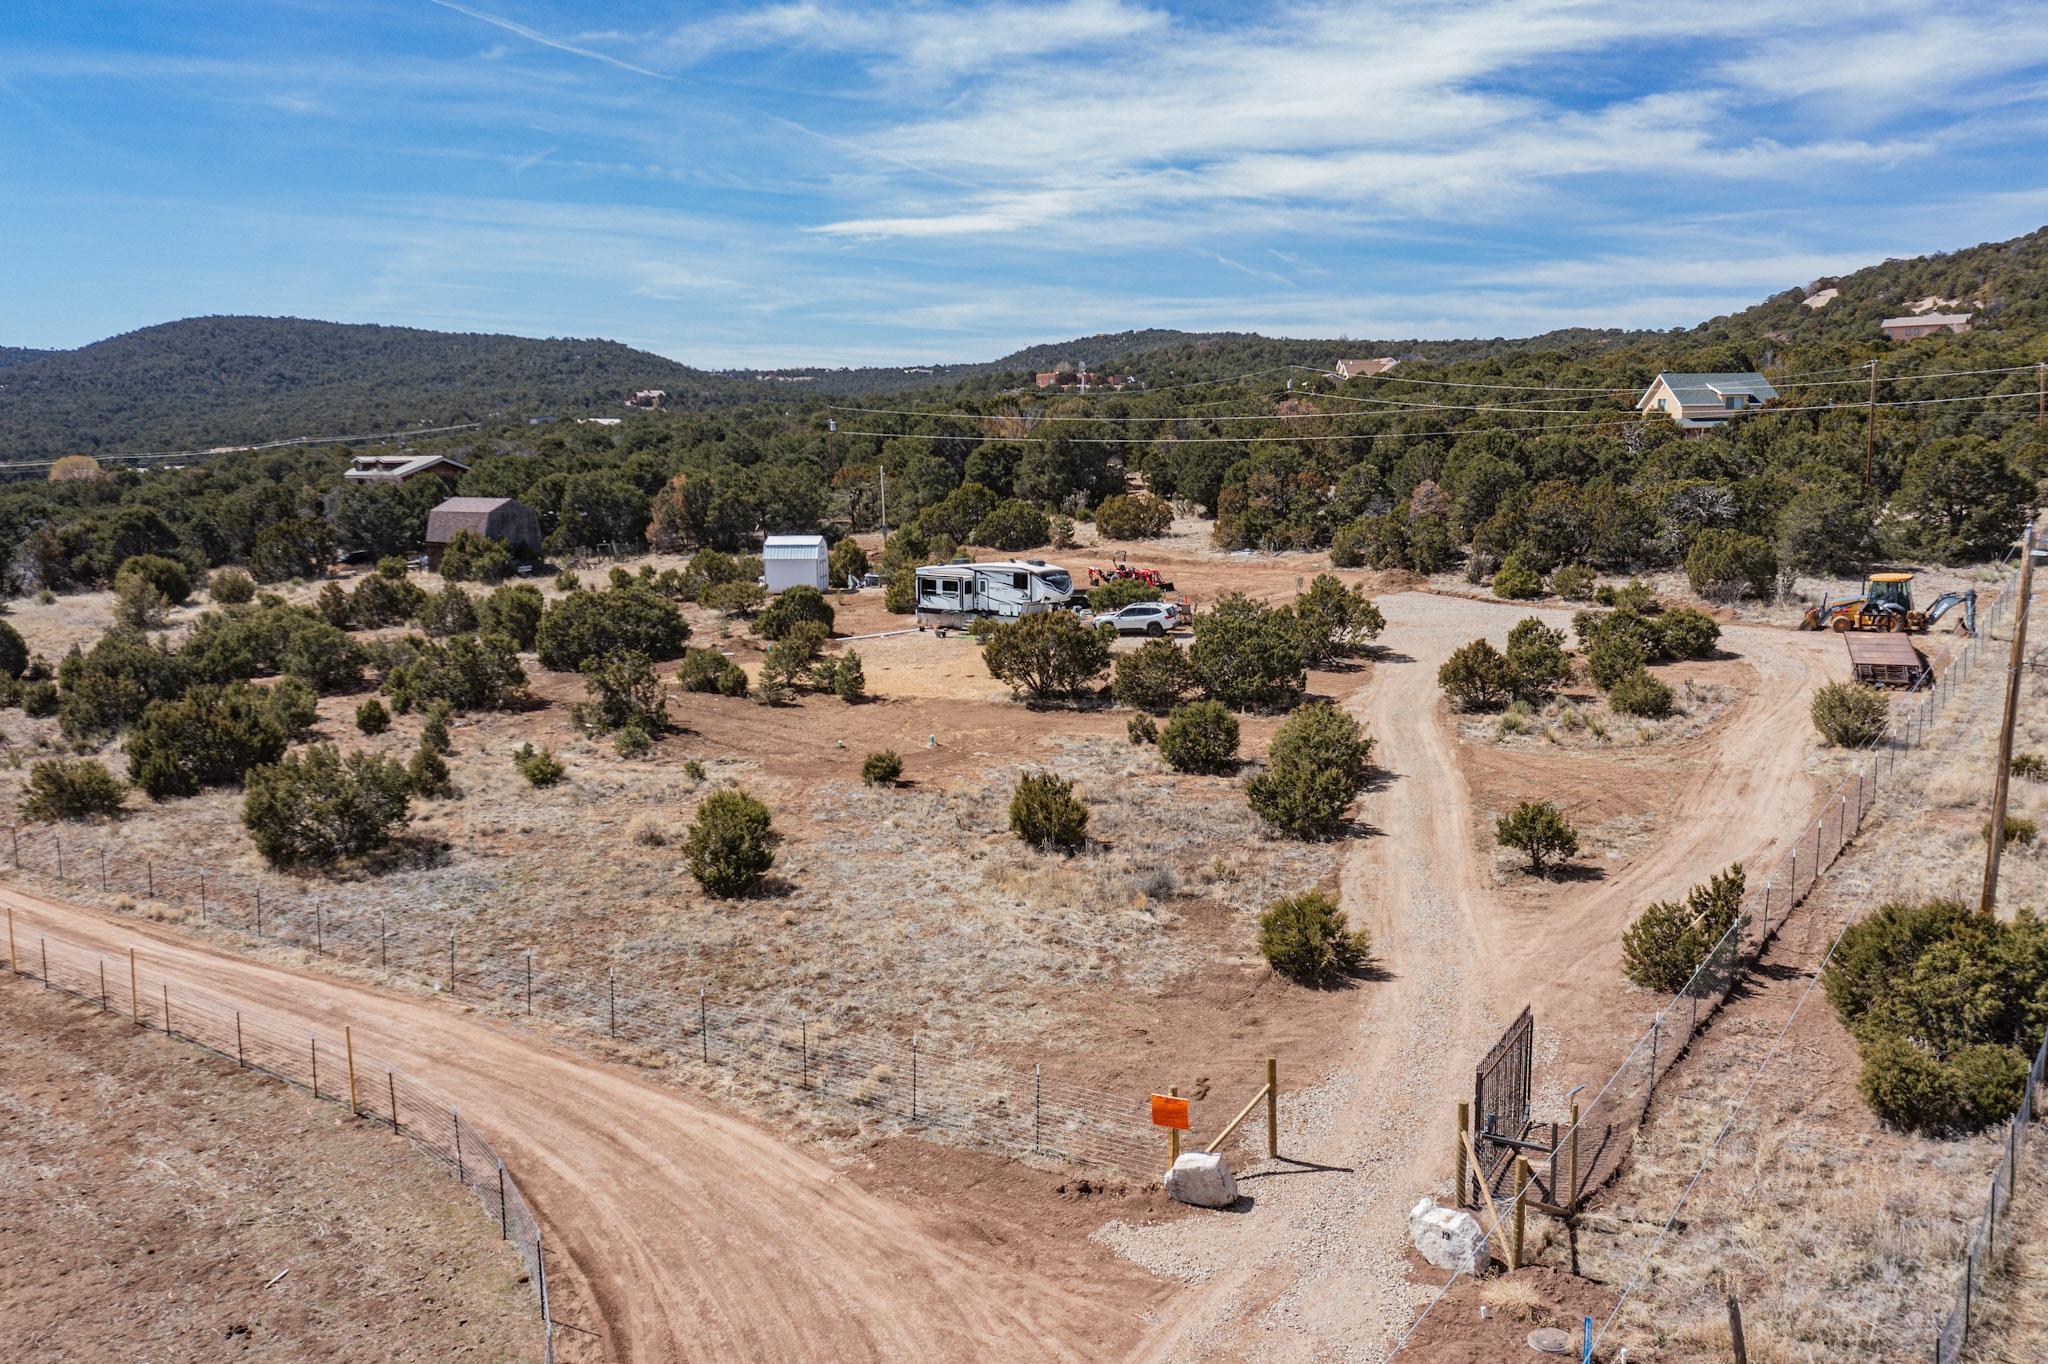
494, 518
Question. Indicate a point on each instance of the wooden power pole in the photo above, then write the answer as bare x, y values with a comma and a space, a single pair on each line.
2017, 666
1870, 427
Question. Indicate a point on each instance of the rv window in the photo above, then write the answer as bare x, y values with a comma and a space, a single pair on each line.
949, 587
1020, 581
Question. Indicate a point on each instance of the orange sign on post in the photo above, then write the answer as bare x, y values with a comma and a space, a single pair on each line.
1168, 1111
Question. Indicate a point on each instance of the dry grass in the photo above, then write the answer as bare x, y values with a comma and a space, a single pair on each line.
1515, 1299
2013, 1328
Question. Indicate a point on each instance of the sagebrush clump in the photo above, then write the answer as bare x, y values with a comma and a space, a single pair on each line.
882, 768
1306, 937
1046, 813
731, 843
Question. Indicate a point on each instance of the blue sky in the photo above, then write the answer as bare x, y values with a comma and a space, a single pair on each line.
840, 183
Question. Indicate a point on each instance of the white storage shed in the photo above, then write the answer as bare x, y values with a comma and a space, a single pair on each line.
795, 561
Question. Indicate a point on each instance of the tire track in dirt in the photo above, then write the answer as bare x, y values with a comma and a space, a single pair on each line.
1318, 1268
680, 1231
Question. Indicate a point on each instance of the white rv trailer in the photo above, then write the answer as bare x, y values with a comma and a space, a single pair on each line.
951, 596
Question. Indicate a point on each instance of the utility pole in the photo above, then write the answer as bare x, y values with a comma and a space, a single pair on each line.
1870, 426
883, 470
2012, 705
2040, 394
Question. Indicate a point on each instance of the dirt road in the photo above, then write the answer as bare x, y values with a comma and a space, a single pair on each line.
680, 1231
1317, 1269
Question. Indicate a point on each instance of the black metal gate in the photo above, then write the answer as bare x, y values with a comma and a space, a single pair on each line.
1500, 1107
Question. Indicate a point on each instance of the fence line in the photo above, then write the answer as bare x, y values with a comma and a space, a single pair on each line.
1980, 1257
936, 1090
1608, 1124
301, 1057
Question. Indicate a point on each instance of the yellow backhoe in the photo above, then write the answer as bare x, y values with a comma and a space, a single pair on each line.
1887, 604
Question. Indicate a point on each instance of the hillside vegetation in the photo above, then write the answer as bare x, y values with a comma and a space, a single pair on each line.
1519, 457
209, 381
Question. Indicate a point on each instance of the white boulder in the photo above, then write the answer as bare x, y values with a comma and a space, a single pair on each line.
1201, 1179
1449, 1238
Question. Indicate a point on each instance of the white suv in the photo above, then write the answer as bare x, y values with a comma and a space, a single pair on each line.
1142, 618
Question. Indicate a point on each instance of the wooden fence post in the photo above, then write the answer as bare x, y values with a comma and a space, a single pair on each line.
455, 1121
348, 1040
1521, 1205
1464, 1126
167, 1008
238, 1040
13, 958
44, 943
103, 984
391, 1086
611, 994
1273, 1107
703, 1029
134, 998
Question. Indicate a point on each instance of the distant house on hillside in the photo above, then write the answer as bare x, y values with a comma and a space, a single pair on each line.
403, 468
1697, 401
649, 398
1080, 378
1352, 369
494, 518
1924, 324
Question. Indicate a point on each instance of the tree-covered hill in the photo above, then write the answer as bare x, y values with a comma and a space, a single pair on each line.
208, 381
11, 356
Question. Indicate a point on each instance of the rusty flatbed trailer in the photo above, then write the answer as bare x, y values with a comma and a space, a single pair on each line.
1884, 659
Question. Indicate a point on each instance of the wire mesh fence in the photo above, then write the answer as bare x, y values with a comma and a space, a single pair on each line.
1981, 1255
933, 1089
331, 1069
1588, 1153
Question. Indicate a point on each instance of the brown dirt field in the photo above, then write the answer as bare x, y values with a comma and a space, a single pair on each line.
674, 1228
151, 1193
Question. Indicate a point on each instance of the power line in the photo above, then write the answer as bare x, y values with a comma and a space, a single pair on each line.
250, 449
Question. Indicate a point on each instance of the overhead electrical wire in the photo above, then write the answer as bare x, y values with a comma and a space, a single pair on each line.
252, 449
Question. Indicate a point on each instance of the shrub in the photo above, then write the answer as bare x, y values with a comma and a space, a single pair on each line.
2030, 766
318, 808
138, 605
470, 557
1048, 654
467, 673
39, 700
1476, 677
1666, 944
849, 678
293, 704
1908, 1088
1540, 831
1201, 737
1992, 1080
1517, 579
321, 656
451, 611
736, 598
707, 670
169, 577
848, 562
1118, 593
230, 587
372, 718
513, 611
299, 547
1573, 582
1687, 633
13, 651
633, 741
1727, 563
624, 690
1307, 938
693, 769
381, 600
793, 658
2019, 830
730, 846
1334, 621
586, 625
1012, 525
883, 768
434, 733
1318, 760
539, 766
1045, 812
1156, 676
1351, 545
1612, 655
427, 773
1850, 714
61, 788
1142, 729
793, 606
1633, 595
1536, 662
1139, 516
1248, 655
1641, 695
